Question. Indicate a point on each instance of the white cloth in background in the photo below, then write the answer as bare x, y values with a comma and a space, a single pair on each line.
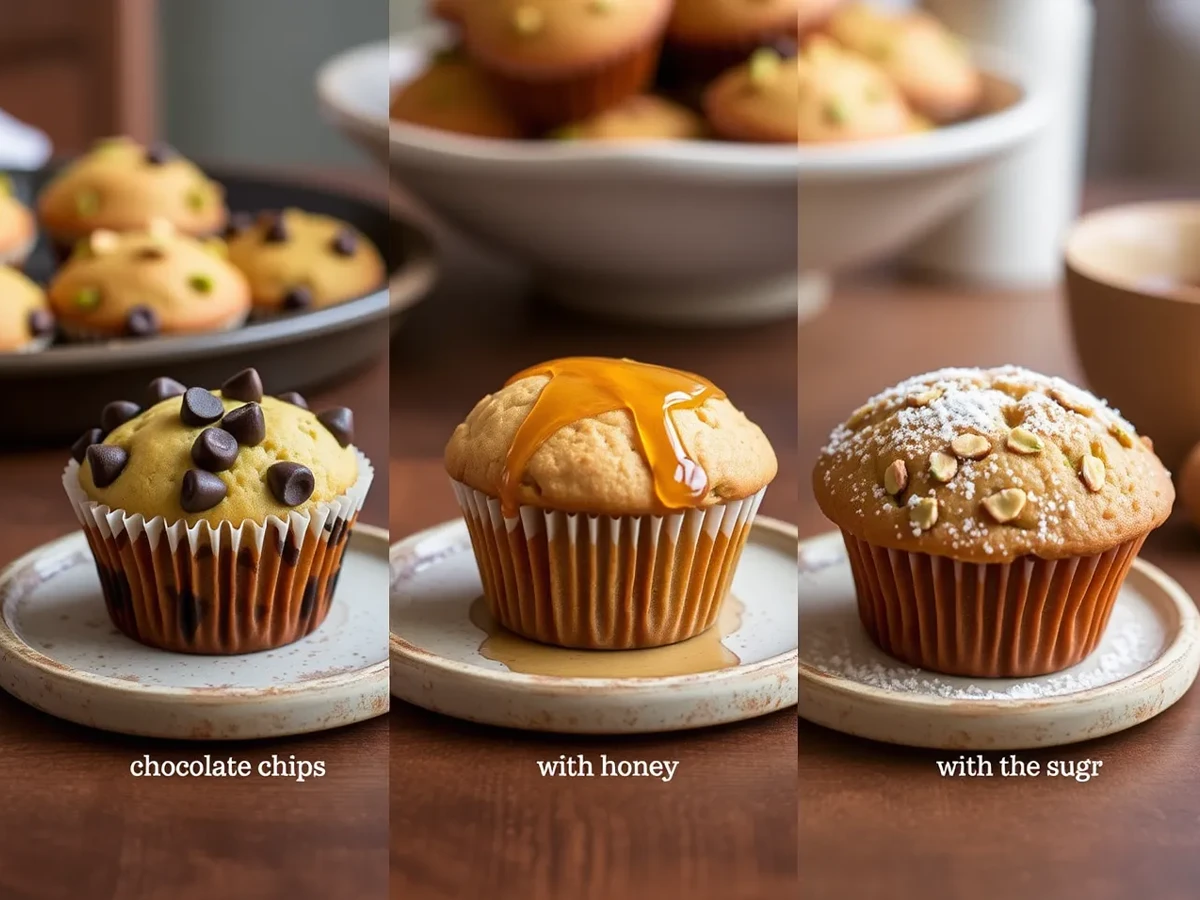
21, 146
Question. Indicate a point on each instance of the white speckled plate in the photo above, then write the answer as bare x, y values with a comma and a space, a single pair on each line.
1147, 659
437, 664
60, 653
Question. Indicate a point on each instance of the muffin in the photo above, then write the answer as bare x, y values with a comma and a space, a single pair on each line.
217, 519
559, 61
446, 10
296, 260
26, 323
18, 230
122, 186
143, 283
608, 501
929, 64
990, 517
845, 97
453, 96
707, 37
756, 101
646, 117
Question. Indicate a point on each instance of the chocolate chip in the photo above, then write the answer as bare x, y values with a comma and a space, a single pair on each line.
246, 424
201, 490
276, 231
161, 389
200, 407
298, 298
107, 462
339, 422
245, 386
290, 482
293, 398
238, 222
159, 153
344, 243
85, 440
215, 450
117, 414
142, 321
41, 322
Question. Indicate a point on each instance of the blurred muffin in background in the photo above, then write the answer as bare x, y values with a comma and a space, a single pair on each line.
846, 97
18, 230
446, 10
452, 95
144, 283
296, 260
646, 117
559, 61
929, 64
756, 101
708, 37
26, 323
122, 186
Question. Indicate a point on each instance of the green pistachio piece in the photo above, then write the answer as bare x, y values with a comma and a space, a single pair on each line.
87, 298
87, 203
201, 283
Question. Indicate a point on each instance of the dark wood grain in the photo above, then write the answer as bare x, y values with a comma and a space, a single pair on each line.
471, 816
78, 825
878, 821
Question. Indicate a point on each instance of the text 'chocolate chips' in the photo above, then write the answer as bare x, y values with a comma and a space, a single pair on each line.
246, 424
201, 491
214, 450
245, 386
293, 398
85, 440
117, 414
290, 482
107, 462
344, 243
142, 321
200, 407
298, 298
41, 322
339, 422
161, 389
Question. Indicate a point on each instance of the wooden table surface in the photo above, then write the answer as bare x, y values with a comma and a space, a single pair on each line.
877, 821
78, 826
470, 813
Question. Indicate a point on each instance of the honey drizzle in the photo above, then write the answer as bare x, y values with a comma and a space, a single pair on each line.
586, 386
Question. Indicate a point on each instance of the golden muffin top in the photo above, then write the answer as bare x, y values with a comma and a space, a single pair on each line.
645, 117
758, 99
24, 315
123, 186
609, 437
724, 21
846, 97
17, 227
453, 95
229, 455
990, 465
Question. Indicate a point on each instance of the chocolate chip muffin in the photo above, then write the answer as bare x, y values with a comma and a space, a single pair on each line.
18, 230
296, 260
990, 518
845, 97
26, 323
143, 283
452, 95
218, 519
646, 117
122, 186
608, 501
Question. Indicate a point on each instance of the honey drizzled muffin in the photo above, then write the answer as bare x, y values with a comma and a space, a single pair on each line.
18, 230
26, 322
218, 519
121, 185
452, 95
929, 65
296, 260
846, 97
559, 61
990, 517
757, 101
143, 283
608, 501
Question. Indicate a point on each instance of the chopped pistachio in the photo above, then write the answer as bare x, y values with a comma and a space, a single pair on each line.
87, 298
971, 446
923, 513
201, 282
835, 111
528, 20
1124, 438
1093, 473
895, 479
1024, 441
942, 466
764, 67
1068, 402
1006, 505
197, 199
87, 203
924, 398
859, 417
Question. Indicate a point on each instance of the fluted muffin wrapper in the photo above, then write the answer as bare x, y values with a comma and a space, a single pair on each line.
219, 589
606, 582
543, 103
1020, 619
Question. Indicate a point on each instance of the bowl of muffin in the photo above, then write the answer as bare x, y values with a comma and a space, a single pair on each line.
131, 257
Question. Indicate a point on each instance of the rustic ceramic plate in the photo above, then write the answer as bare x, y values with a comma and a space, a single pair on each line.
1147, 659
437, 663
60, 653
55, 395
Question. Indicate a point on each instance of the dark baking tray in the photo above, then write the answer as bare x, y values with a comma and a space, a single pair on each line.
53, 396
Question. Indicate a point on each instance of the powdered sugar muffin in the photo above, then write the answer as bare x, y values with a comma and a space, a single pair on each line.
990, 517
846, 97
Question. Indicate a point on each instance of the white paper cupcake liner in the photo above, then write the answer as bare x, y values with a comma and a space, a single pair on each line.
606, 582
219, 589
